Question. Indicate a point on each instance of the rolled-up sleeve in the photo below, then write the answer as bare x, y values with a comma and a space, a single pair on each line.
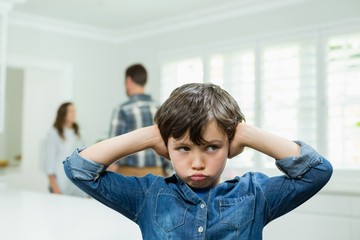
121, 193
78, 168
305, 175
296, 167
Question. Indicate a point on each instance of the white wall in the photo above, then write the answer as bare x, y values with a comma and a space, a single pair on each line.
326, 216
96, 67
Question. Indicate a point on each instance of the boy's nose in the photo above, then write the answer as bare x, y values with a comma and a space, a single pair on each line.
198, 162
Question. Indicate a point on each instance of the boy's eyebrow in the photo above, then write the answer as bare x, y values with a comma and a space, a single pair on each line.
187, 142
214, 141
181, 142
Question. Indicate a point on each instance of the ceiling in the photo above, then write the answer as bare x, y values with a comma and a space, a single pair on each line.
119, 14
123, 20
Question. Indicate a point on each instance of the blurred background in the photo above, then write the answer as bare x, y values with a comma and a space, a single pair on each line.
292, 65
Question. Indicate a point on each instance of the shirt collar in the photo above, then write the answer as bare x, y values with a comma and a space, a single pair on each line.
187, 191
140, 97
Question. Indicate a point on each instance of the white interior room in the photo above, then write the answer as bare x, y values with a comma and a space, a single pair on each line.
57, 51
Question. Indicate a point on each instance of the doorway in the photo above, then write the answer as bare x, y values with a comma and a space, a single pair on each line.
34, 91
11, 148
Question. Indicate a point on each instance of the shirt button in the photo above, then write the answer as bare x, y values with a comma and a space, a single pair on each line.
202, 205
200, 229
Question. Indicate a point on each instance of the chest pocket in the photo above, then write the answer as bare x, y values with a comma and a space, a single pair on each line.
170, 211
237, 212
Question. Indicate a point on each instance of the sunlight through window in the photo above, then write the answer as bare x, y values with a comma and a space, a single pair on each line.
343, 95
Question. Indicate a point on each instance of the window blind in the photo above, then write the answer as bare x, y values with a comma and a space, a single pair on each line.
343, 96
288, 90
235, 72
177, 73
276, 86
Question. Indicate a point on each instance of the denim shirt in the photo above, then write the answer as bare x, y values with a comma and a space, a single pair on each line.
167, 208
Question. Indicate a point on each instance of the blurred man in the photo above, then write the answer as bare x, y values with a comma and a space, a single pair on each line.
137, 112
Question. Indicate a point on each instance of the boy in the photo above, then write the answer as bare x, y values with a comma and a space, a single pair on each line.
198, 127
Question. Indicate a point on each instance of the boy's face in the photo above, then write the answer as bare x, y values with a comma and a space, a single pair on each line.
200, 166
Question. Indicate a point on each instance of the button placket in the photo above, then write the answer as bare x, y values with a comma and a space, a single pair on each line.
201, 220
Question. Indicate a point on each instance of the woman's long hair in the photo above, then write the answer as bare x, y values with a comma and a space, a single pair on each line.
60, 120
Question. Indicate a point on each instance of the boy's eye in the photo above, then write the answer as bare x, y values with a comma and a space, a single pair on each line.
183, 149
212, 148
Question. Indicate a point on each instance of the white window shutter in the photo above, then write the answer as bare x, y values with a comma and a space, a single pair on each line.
343, 96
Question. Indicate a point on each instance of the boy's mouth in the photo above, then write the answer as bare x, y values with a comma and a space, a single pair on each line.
198, 177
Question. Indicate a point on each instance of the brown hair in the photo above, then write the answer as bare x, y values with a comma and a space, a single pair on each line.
138, 74
191, 106
60, 120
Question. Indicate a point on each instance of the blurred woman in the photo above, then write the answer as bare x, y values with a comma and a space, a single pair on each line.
61, 141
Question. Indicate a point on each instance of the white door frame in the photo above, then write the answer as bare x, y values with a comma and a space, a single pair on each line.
27, 177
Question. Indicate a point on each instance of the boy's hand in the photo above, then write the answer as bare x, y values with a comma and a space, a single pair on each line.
159, 145
236, 144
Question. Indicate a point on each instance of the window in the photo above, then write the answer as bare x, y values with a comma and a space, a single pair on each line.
179, 72
235, 72
279, 88
343, 97
238, 78
288, 91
